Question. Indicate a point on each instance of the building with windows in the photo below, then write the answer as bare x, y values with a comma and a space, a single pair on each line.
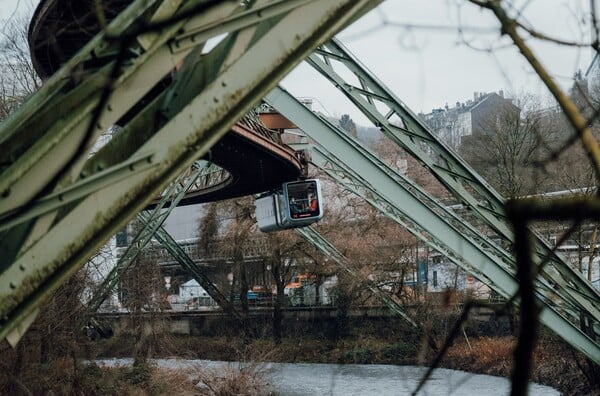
453, 124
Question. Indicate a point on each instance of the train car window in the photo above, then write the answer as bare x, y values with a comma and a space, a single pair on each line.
303, 199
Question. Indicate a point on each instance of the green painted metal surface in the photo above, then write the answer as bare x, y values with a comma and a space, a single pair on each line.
64, 118
403, 127
352, 165
189, 265
57, 206
148, 224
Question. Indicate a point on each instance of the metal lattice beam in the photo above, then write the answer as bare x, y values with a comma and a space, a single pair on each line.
189, 265
403, 127
348, 162
150, 223
64, 118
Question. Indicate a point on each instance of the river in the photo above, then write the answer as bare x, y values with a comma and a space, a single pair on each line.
295, 379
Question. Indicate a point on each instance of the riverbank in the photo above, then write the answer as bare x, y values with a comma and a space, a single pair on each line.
301, 379
482, 347
555, 363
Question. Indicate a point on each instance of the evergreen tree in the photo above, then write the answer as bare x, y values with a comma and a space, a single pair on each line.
349, 125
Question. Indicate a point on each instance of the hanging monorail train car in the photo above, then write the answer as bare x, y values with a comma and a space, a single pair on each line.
297, 204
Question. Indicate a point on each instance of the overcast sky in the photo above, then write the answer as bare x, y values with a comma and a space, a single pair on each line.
430, 64
428, 67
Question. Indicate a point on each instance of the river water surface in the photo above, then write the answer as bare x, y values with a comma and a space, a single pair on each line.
295, 379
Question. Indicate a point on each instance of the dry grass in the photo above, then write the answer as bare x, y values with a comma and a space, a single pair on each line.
486, 355
246, 380
555, 364
63, 377
174, 382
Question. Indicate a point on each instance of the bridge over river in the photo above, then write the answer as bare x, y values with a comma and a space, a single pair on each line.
177, 82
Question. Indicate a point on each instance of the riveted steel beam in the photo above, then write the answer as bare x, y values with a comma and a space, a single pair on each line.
403, 127
152, 226
149, 224
189, 265
223, 85
348, 162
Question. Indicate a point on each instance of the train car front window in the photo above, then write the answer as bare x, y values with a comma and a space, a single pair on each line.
303, 199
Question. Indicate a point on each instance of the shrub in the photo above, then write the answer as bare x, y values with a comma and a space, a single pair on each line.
225, 381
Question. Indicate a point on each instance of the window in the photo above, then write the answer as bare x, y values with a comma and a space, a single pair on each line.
303, 200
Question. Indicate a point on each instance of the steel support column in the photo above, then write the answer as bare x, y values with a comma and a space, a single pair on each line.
403, 127
64, 117
376, 182
150, 223
189, 265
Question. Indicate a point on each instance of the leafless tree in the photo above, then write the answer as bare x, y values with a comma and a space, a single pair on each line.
19, 79
285, 254
208, 231
60, 333
504, 147
237, 234
514, 25
348, 124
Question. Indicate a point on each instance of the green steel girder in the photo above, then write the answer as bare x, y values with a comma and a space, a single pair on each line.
403, 127
149, 224
59, 116
189, 265
81, 189
201, 175
245, 65
353, 182
58, 119
379, 184
352, 165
